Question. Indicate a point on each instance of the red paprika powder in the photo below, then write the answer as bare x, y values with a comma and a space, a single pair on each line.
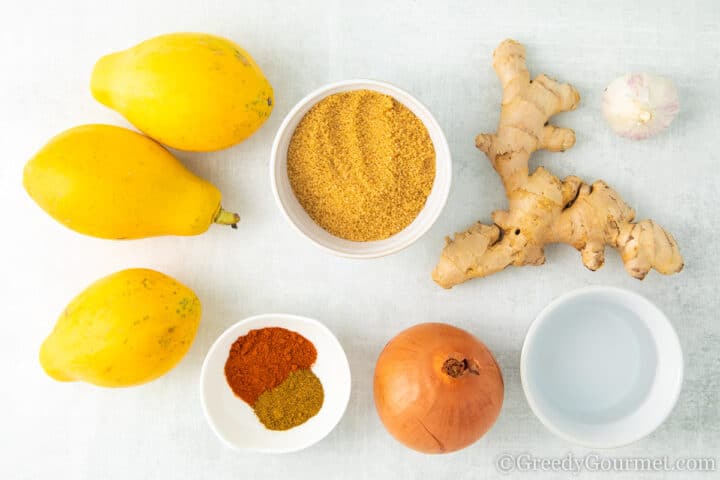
263, 359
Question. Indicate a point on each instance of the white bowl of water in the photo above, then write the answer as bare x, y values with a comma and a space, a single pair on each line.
601, 367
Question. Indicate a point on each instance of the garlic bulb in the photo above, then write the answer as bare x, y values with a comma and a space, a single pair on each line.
639, 105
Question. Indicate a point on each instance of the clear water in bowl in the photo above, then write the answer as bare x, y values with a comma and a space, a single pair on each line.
591, 362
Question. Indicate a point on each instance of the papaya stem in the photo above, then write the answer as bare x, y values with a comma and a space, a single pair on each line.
224, 217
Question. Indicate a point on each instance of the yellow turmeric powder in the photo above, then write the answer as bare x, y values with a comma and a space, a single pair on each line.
361, 164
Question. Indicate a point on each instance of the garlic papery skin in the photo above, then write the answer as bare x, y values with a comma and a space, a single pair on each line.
640, 105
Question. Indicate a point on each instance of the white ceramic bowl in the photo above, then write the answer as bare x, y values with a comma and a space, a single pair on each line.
234, 421
601, 367
302, 222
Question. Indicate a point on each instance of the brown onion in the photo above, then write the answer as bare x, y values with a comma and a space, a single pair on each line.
437, 388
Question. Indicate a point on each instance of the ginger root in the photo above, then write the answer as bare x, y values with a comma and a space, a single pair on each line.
542, 208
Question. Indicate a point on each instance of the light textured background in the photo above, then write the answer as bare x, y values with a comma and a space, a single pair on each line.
438, 51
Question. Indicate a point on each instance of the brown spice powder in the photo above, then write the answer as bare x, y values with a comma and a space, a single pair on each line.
361, 164
293, 402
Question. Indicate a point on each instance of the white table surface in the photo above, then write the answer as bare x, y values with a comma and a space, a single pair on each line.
440, 52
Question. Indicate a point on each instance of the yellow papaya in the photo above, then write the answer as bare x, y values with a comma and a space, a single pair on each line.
110, 182
125, 329
190, 91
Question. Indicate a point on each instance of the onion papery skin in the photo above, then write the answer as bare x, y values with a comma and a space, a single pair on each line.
418, 400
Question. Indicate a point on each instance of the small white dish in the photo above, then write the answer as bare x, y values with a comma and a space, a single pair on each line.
601, 367
302, 222
234, 421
